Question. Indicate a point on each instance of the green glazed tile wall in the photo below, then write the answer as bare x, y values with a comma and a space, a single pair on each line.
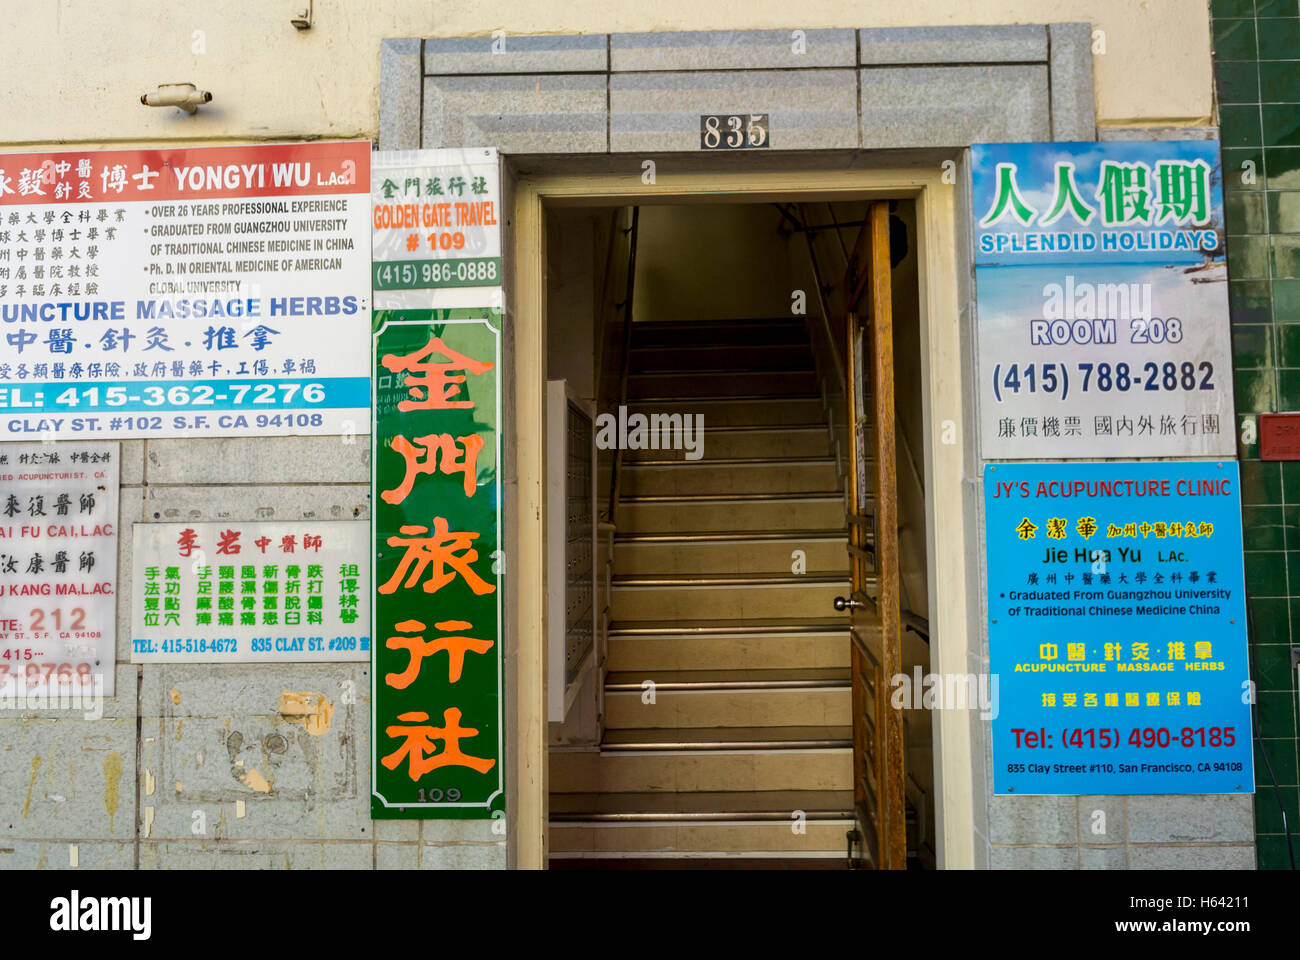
1257, 79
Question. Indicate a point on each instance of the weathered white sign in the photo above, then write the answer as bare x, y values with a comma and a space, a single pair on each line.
58, 566
180, 292
250, 591
437, 228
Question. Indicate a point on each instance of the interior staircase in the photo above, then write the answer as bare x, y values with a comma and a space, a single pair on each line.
726, 728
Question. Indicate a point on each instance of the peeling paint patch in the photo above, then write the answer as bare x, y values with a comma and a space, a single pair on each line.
176, 696
73, 858
312, 710
148, 783
36, 765
255, 781
112, 785
240, 809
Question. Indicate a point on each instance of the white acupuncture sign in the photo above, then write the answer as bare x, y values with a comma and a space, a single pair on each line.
185, 291
255, 591
58, 567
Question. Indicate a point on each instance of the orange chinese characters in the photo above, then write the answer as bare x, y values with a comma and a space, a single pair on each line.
425, 455
442, 550
419, 648
433, 386
418, 746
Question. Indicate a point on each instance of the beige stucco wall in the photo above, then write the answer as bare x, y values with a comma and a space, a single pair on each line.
74, 70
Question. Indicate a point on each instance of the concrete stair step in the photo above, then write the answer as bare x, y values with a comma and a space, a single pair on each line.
677, 332
715, 739
764, 475
692, 770
652, 651
760, 410
722, 596
793, 837
720, 806
723, 383
674, 699
735, 356
723, 442
748, 860
686, 514
760, 551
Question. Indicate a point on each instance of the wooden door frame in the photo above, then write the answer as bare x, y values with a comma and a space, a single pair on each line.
535, 183
869, 320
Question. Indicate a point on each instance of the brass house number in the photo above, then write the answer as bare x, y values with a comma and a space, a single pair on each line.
733, 131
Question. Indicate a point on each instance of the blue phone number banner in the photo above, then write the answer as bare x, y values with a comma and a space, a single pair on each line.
1117, 628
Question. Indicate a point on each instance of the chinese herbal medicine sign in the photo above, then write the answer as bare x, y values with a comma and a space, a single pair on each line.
58, 567
237, 592
1103, 304
1117, 628
436, 697
215, 291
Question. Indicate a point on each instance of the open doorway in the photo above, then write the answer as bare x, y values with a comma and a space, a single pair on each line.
707, 715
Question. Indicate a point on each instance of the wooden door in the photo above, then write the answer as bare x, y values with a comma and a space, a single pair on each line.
875, 614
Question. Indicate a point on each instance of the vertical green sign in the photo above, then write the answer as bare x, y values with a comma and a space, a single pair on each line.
437, 727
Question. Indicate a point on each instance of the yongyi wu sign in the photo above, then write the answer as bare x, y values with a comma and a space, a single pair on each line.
213, 291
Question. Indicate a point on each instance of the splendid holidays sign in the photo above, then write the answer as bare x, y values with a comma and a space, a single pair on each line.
1103, 300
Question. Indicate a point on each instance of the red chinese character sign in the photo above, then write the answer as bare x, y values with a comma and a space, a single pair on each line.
235, 591
437, 725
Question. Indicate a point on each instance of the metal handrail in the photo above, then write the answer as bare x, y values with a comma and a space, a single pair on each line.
917, 624
625, 366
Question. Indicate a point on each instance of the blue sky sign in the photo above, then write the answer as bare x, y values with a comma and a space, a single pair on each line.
1117, 628
1102, 293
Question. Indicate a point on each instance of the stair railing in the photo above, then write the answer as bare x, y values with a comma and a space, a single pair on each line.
826, 339
827, 353
607, 528
625, 363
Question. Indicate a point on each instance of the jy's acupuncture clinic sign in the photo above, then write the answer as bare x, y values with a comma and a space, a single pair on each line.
58, 568
1103, 305
210, 592
214, 291
1117, 628
436, 697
